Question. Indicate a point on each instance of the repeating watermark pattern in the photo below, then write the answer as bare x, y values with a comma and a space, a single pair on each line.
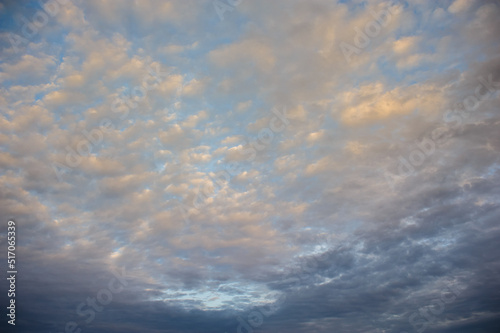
103, 297
440, 135
31, 28
122, 104
221, 179
426, 315
372, 29
221, 7
11, 271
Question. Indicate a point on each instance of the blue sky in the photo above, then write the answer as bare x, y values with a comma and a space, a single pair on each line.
298, 166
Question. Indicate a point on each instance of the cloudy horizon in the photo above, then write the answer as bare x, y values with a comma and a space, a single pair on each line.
251, 166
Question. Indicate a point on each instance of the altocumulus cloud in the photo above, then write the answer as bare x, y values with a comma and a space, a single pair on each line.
115, 115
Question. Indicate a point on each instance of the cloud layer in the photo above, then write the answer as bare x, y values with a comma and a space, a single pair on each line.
250, 174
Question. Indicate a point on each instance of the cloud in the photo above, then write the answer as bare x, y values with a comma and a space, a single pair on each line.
28, 66
405, 44
373, 102
254, 53
137, 136
459, 6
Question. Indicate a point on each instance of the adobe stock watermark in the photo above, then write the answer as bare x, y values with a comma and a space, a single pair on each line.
426, 315
372, 29
223, 6
255, 318
221, 179
439, 136
92, 304
40, 19
123, 105
11, 271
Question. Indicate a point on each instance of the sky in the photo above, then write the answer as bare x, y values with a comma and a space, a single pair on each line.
191, 166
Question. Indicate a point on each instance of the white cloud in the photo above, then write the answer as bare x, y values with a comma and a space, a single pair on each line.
459, 6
